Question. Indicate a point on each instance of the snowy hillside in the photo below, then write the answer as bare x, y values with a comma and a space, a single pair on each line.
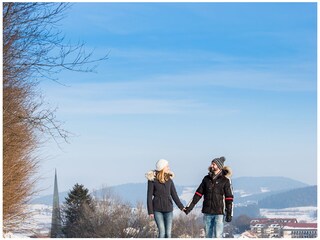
187, 194
41, 217
38, 224
302, 214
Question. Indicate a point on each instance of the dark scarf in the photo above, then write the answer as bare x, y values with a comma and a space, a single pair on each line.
214, 176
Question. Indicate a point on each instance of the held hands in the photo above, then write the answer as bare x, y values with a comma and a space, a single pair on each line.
184, 210
187, 210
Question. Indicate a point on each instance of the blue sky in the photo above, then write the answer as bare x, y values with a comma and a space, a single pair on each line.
187, 82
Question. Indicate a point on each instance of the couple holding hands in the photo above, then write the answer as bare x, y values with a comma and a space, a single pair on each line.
215, 188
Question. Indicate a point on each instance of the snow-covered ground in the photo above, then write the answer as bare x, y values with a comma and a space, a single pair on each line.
242, 193
38, 224
302, 214
14, 235
264, 189
187, 194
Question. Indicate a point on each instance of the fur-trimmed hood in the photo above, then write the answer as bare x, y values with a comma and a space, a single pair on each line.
151, 175
227, 171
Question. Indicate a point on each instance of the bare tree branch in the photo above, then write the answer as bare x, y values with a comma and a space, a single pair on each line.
33, 50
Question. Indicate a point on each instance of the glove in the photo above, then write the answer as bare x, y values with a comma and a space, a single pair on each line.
187, 210
228, 218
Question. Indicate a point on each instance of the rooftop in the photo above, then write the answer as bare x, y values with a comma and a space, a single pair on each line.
300, 225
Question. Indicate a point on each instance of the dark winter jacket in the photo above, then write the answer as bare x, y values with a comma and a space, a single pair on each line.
160, 195
217, 193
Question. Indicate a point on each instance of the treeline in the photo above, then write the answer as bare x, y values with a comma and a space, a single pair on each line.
294, 198
251, 210
86, 216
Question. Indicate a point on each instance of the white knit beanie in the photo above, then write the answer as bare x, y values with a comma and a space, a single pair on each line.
161, 164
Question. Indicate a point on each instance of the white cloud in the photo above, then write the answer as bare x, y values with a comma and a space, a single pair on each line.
171, 94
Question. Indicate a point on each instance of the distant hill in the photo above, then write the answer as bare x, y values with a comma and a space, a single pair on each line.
47, 199
246, 186
246, 189
294, 198
253, 189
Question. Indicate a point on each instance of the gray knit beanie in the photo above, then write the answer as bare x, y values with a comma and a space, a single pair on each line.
219, 161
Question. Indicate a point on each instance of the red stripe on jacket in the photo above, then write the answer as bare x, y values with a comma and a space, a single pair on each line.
199, 194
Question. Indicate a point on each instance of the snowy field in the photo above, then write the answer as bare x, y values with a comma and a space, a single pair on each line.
302, 214
38, 224
187, 194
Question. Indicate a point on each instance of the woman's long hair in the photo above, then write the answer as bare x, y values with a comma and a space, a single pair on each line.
162, 176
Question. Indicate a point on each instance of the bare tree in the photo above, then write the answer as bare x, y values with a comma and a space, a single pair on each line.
33, 50
186, 226
112, 217
142, 226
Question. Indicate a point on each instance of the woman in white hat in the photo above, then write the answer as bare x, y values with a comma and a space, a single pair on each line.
161, 191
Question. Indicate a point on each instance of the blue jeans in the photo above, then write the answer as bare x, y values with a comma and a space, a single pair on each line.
213, 225
164, 223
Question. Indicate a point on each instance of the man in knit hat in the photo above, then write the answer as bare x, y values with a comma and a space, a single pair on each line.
218, 198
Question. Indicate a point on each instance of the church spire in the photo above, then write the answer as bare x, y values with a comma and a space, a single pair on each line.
56, 230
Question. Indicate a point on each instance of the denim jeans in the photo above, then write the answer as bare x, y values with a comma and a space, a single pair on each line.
213, 225
164, 223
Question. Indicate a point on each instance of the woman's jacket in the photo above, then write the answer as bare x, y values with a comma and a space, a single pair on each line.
160, 195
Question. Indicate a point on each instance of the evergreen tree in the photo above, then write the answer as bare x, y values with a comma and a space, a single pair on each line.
78, 210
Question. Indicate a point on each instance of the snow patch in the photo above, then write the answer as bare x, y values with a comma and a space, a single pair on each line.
264, 189
302, 214
11, 235
39, 222
242, 193
187, 194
